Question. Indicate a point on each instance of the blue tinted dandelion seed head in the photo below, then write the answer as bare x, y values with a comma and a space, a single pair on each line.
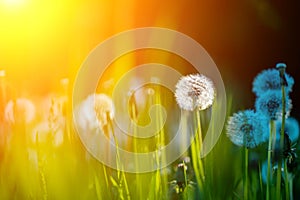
247, 128
269, 104
280, 66
270, 80
291, 127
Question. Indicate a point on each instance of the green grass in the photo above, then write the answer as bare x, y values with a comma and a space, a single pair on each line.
69, 172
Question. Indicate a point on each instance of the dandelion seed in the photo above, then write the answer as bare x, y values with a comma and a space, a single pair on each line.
194, 91
291, 127
19, 111
270, 80
270, 104
247, 128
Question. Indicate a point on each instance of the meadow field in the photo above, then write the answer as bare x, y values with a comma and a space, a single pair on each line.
42, 155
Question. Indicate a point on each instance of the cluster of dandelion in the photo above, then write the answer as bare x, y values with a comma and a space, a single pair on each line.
37, 136
43, 157
269, 122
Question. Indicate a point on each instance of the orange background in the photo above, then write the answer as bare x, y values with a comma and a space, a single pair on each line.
42, 41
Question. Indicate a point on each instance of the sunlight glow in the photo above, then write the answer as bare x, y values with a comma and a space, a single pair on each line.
13, 2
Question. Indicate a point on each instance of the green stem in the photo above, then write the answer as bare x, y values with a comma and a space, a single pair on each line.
163, 160
260, 180
199, 141
41, 170
291, 188
120, 170
278, 186
287, 181
269, 159
196, 153
139, 190
184, 173
246, 174
105, 177
196, 164
185, 178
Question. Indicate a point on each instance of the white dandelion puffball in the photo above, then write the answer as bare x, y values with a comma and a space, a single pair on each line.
20, 110
194, 91
92, 113
104, 108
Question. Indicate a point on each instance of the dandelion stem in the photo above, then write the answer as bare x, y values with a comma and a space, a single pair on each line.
120, 170
272, 128
185, 179
41, 170
286, 177
161, 142
278, 186
196, 164
105, 176
199, 140
132, 104
260, 180
196, 152
246, 174
291, 189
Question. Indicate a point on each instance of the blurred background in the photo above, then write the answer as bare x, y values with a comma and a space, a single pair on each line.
44, 41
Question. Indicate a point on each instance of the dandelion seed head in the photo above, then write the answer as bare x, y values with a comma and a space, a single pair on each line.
247, 128
194, 91
104, 108
92, 114
182, 166
186, 159
21, 110
270, 104
280, 66
291, 127
270, 80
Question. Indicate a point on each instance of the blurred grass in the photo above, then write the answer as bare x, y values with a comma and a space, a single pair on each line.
42, 171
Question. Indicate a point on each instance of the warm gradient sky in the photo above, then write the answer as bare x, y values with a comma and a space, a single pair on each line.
42, 41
